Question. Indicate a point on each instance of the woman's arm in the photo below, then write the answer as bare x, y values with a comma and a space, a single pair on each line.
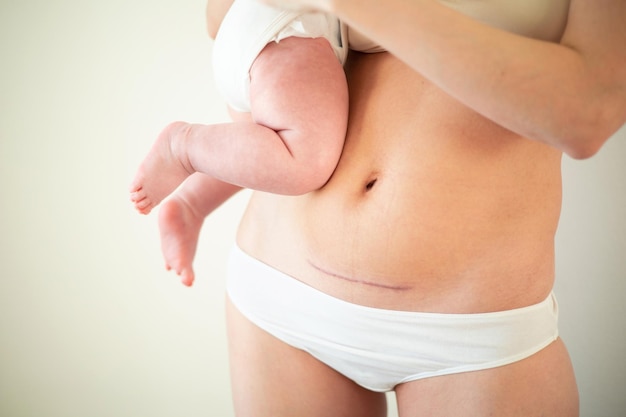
570, 95
215, 12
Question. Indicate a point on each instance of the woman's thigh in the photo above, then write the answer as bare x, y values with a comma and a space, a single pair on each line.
541, 385
272, 379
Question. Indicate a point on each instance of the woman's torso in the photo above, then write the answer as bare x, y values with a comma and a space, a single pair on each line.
432, 207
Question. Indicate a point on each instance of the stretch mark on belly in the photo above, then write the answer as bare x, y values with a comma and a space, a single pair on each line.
359, 281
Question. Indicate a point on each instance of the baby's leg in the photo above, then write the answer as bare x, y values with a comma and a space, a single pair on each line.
298, 89
162, 170
181, 218
299, 103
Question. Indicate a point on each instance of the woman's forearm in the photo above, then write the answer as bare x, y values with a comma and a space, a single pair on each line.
550, 92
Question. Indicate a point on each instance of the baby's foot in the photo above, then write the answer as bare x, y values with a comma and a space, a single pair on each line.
179, 227
160, 172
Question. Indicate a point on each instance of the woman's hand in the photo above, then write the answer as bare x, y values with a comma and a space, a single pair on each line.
300, 5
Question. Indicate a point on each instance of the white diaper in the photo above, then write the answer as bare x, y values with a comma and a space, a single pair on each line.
248, 27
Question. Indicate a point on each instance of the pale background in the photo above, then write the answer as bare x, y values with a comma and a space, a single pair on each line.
90, 323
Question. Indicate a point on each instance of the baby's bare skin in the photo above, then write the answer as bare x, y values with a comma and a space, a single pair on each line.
289, 144
292, 147
179, 228
181, 218
162, 171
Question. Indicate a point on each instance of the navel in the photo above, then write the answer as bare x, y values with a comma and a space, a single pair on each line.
371, 181
370, 184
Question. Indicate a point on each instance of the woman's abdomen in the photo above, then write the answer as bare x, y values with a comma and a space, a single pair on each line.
431, 207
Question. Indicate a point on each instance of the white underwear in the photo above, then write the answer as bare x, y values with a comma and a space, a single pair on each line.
250, 25
379, 349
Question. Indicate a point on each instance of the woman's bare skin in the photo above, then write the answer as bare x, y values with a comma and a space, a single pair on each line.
446, 199
446, 227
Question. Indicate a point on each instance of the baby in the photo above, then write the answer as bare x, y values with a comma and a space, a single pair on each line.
282, 76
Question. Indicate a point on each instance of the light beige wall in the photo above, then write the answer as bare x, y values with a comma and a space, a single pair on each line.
591, 276
90, 323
